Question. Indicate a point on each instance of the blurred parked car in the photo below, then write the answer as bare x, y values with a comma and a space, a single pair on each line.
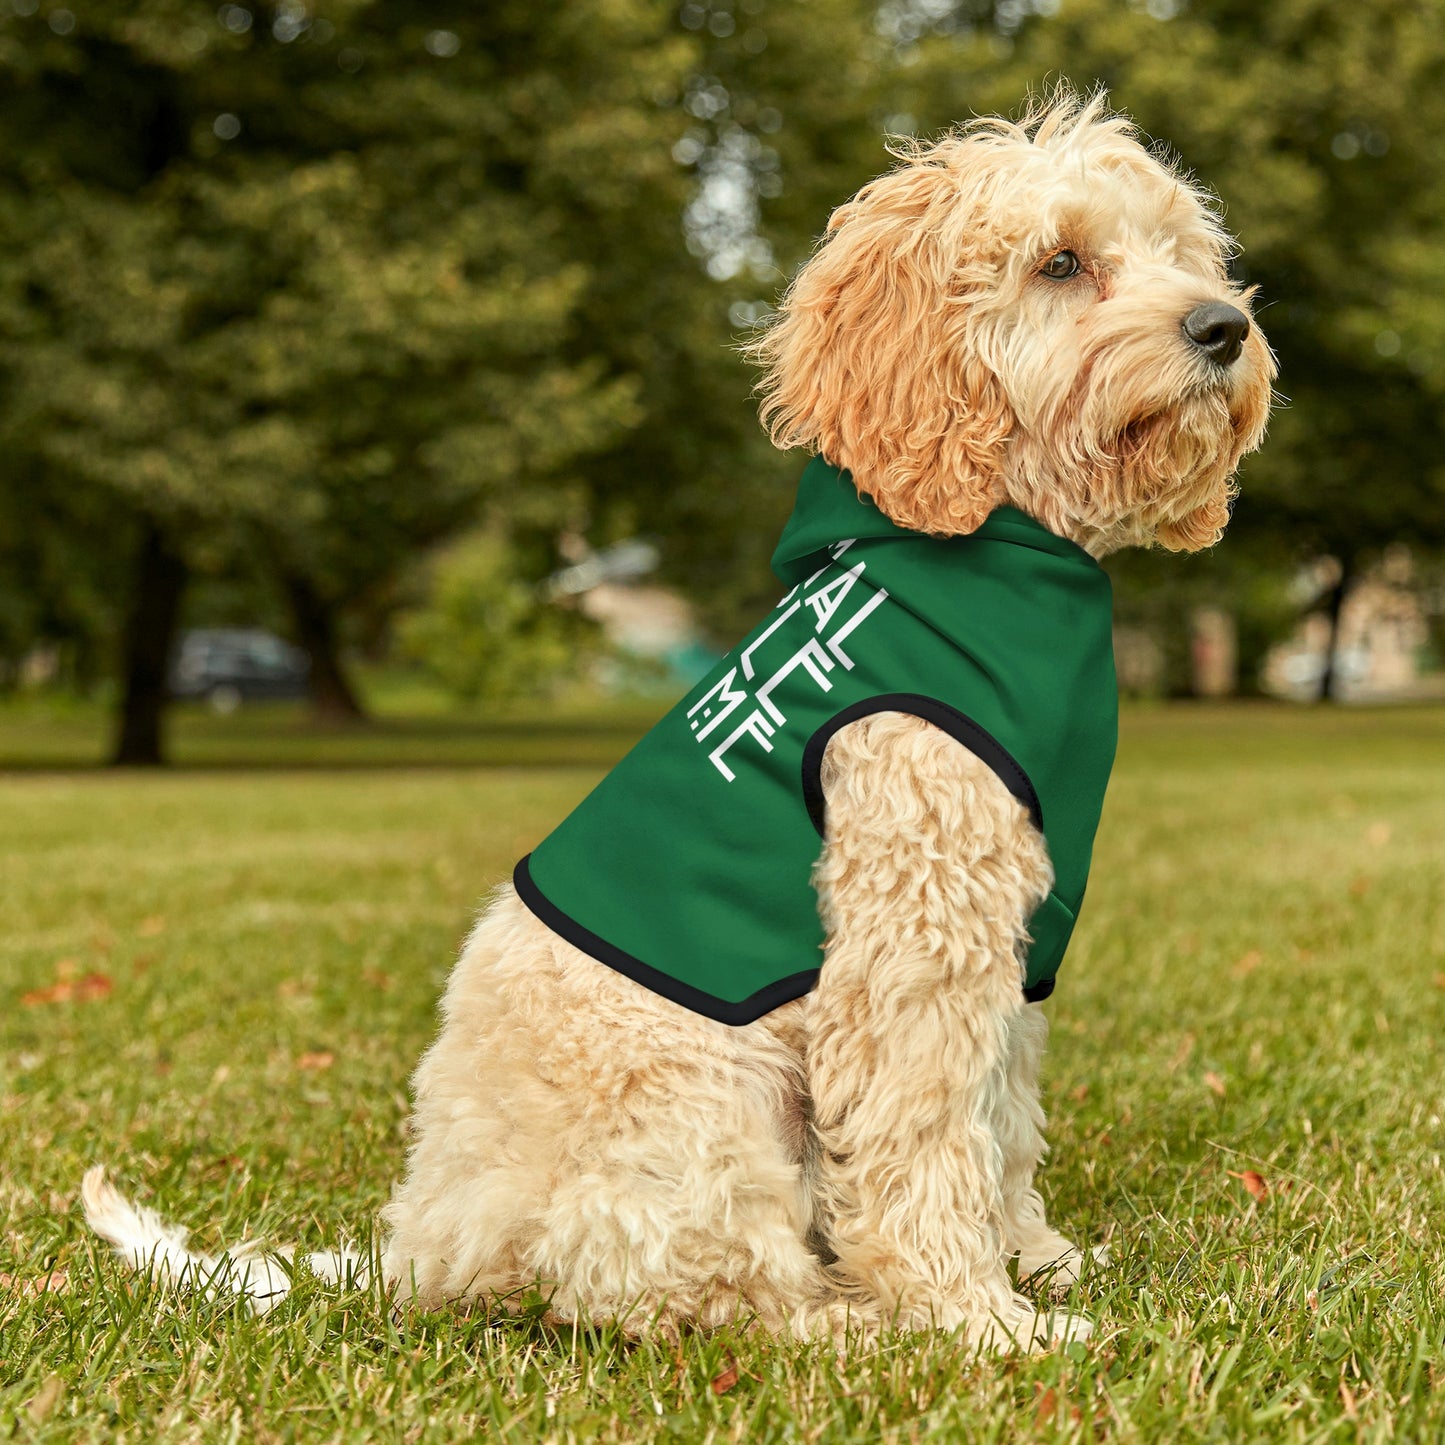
230, 665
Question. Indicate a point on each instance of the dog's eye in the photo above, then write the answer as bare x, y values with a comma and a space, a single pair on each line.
1060, 266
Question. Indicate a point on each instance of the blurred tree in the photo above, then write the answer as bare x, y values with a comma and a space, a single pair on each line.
486, 633
301, 282
780, 115
1163, 593
326, 283
58, 575
322, 284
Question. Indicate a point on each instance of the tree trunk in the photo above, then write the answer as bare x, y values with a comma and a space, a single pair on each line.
1329, 677
333, 699
150, 631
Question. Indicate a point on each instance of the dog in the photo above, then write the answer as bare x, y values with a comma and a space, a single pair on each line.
1023, 336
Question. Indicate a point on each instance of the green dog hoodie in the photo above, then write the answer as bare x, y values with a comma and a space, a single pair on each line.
688, 867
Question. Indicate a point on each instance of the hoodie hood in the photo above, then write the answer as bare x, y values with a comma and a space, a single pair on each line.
829, 508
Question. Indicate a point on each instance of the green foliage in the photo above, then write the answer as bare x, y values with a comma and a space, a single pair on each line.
317, 286
343, 323
773, 121
61, 568
309, 286
1254, 869
488, 635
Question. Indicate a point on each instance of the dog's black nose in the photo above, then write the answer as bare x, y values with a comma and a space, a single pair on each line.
1218, 331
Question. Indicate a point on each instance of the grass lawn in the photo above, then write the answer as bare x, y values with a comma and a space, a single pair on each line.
216, 980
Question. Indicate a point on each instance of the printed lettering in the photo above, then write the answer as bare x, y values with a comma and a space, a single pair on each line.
810, 656
835, 551
756, 724
817, 657
835, 642
701, 712
747, 655
826, 600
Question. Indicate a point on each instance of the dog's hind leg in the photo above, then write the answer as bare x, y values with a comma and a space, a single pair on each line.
577, 1135
678, 1196
928, 876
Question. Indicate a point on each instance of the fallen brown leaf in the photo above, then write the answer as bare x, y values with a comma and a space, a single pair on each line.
56, 1282
320, 1059
56, 993
1248, 963
724, 1382
1440, 980
1214, 1083
1359, 886
1254, 1183
45, 1399
377, 978
1080, 1094
82, 990
1181, 1054
1046, 1408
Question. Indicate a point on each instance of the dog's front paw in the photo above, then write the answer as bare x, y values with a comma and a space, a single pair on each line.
1057, 1266
1060, 1327
1023, 1326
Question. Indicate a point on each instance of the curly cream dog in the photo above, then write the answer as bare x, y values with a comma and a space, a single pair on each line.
1034, 315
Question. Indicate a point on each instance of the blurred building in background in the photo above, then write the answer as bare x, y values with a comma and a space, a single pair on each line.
654, 639
1382, 648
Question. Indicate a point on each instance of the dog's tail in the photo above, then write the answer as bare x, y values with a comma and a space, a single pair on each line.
147, 1243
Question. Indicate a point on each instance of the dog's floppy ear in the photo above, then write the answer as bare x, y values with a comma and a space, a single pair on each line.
872, 359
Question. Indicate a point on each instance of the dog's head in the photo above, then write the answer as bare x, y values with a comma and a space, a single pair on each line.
1034, 313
